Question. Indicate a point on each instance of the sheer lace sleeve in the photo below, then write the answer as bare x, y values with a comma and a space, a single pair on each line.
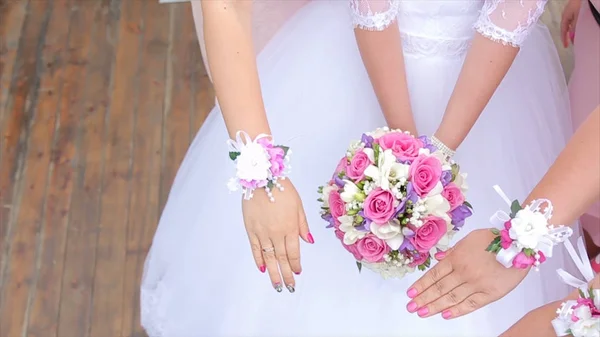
374, 14
509, 21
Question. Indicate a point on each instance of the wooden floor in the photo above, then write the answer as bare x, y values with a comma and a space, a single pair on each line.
98, 103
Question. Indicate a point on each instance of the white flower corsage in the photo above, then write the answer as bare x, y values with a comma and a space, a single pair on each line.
259, 164
526, 238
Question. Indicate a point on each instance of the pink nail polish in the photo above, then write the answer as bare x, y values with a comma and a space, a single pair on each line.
262, 269
297, 272
411, 307
446, 314
310, 238
423, 311
440, 255
412, 292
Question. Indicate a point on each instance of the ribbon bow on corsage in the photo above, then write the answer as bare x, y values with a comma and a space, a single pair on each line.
581, 317
526, 238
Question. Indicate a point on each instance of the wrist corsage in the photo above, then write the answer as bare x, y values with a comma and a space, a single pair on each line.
258, 163
526, 238
581, 317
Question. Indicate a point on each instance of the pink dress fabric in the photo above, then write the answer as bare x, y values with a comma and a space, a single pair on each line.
584, 89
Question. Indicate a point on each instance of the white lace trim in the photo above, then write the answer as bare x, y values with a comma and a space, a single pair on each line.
367, 19
419, 46
486, 27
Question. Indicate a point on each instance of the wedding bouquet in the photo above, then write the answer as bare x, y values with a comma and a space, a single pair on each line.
394, 201
581, 317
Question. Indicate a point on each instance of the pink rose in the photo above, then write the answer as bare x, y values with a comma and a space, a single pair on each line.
372, 248
405, 147
276, 156
542, 258
352, 248
428, 235
379, 206
454, 195
425, 173
506, 240
336, 206
357, 166
523, 261
341, 167
507, 225
418, 259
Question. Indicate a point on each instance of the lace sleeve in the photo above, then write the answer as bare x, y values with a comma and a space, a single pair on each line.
509, 21
374, 14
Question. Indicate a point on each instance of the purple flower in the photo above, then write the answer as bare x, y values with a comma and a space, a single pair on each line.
446, 177
406, 244
329, 218
366, 224
427, 143
368, 140
339, 182
459, 214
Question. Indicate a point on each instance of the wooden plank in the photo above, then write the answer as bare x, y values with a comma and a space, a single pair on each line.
179, 108
156, 63
17, 252
204, 94
12, 23
75, 284
24, 261
109, 270
92, 103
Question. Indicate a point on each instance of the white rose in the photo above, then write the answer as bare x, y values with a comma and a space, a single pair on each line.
461, 181
379, 132
253, 163
325, 195
586, 326
391, 232
349, 192
351, 234
528, 228
436, 205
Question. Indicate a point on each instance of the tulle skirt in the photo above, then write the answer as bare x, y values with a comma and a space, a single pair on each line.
200, 278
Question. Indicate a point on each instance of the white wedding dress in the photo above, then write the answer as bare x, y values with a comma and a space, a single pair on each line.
200, 278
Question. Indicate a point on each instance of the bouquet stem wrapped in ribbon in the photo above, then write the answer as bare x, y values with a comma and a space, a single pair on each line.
394, 201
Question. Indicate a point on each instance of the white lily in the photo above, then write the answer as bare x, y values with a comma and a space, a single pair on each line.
386, 168
391, 232
351, 234
325, 195
350, 191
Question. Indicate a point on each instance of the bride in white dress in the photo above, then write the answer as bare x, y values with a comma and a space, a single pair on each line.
200, 276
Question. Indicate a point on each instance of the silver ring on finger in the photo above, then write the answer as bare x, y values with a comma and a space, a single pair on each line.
268, 250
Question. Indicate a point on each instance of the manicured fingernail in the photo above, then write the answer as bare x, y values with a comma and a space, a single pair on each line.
310, 238
423, 311
446, 314
262, 269
412, 292
440, 255
290, 288
411, 307
278, 287
572, 35
297, 272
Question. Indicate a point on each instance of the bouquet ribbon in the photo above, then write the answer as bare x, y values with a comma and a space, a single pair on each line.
563, 321
545, 243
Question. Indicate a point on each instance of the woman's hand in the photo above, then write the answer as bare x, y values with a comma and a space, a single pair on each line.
569, 21
274, 229
466, 279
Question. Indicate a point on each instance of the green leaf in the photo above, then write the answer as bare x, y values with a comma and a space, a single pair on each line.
455, 170
284, 148
581, 293
233, 155
468, 205
270, 185
359, 265
515, 207
376, 150
529, 252
591, 294
495, 231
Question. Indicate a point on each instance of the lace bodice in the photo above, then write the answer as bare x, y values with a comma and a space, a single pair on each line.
505, 21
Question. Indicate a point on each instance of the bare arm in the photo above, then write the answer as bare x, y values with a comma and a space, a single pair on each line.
232, 63
573, 182
381, 52
502, 28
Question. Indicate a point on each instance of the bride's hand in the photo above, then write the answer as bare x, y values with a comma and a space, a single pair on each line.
274, 229
466, 279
